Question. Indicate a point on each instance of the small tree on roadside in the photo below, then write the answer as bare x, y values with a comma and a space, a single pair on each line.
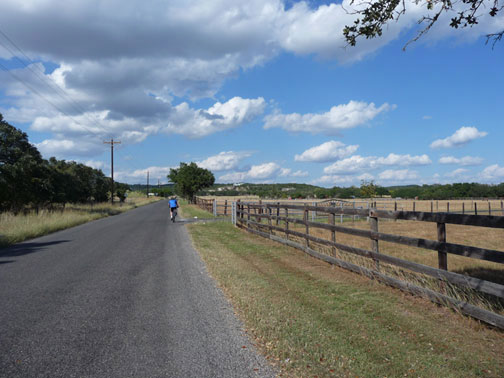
189, 179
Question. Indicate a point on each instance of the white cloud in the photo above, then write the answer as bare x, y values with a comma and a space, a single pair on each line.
66, 147
328, 151
464, 161
224, 161
358, 163
287, 172
457, 173
140, 175
221, 116
399, 175
96, 164
426, 117
339, 117
461, 137
337, 180
493, 173
256, 172
262, 172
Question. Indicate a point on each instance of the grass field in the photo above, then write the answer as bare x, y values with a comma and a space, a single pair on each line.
20, 227
314, 320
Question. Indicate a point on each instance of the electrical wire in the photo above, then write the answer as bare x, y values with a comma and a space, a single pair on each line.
45, 81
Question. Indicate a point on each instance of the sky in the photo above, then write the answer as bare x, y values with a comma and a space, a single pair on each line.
259, 91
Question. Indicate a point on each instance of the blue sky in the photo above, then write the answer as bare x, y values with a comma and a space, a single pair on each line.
256, 91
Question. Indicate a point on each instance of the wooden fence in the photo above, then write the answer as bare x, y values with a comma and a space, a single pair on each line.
217, 207
279, 217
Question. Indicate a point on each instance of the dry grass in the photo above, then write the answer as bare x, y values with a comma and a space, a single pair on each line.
482, 206
20, 227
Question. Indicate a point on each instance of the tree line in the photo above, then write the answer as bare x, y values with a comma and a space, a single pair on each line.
29, 181
365, 190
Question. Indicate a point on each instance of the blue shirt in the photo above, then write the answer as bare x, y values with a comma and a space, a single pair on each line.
173, 203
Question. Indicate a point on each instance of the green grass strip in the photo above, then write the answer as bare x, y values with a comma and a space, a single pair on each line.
311, 320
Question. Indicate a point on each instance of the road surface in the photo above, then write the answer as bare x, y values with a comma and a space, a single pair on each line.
124, 296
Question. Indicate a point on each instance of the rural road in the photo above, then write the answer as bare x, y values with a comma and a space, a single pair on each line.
124, 296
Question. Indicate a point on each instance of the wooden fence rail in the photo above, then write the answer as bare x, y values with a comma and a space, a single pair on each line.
279, 218
217, 207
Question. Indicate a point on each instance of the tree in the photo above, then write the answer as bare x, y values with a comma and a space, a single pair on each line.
368, 189
189, 179
24, 176
377, 14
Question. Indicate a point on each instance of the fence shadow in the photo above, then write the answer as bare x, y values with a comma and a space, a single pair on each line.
27, 248
487, 274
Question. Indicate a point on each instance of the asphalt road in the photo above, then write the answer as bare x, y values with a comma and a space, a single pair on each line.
125, 296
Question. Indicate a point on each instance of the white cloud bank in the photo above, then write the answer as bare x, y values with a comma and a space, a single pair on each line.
339, 117
326, 152
460, 138
358, 163
493, 173
262, 172
400, 175
464, 161
223, 161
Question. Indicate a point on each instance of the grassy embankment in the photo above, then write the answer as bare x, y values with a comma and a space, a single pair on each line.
311, 319
192, 211
17, 228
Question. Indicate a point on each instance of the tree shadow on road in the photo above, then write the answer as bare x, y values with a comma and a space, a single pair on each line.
27, 248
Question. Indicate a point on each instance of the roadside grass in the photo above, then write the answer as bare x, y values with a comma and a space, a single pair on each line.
193, 211
21, 227
314, 320
490, 238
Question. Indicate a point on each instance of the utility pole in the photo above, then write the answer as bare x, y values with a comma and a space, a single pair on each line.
112, 167
147, 183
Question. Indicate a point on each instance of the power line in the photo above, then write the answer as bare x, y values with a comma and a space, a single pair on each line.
46, 80
31, 88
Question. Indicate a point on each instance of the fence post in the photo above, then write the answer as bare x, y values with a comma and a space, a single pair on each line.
489, 208
278, 212
314, 213
447, 207
248, 215
332, 221
233, 213
442, 256
215, 207
269, 220
502, 208
341, 215
475, 208
463, 207
286, 223
374, 242
225, 208
305, 218
414, 206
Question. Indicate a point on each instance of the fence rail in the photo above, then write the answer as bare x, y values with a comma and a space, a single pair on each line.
217, 207
280, 216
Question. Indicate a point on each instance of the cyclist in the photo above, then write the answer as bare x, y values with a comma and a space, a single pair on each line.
173, 208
